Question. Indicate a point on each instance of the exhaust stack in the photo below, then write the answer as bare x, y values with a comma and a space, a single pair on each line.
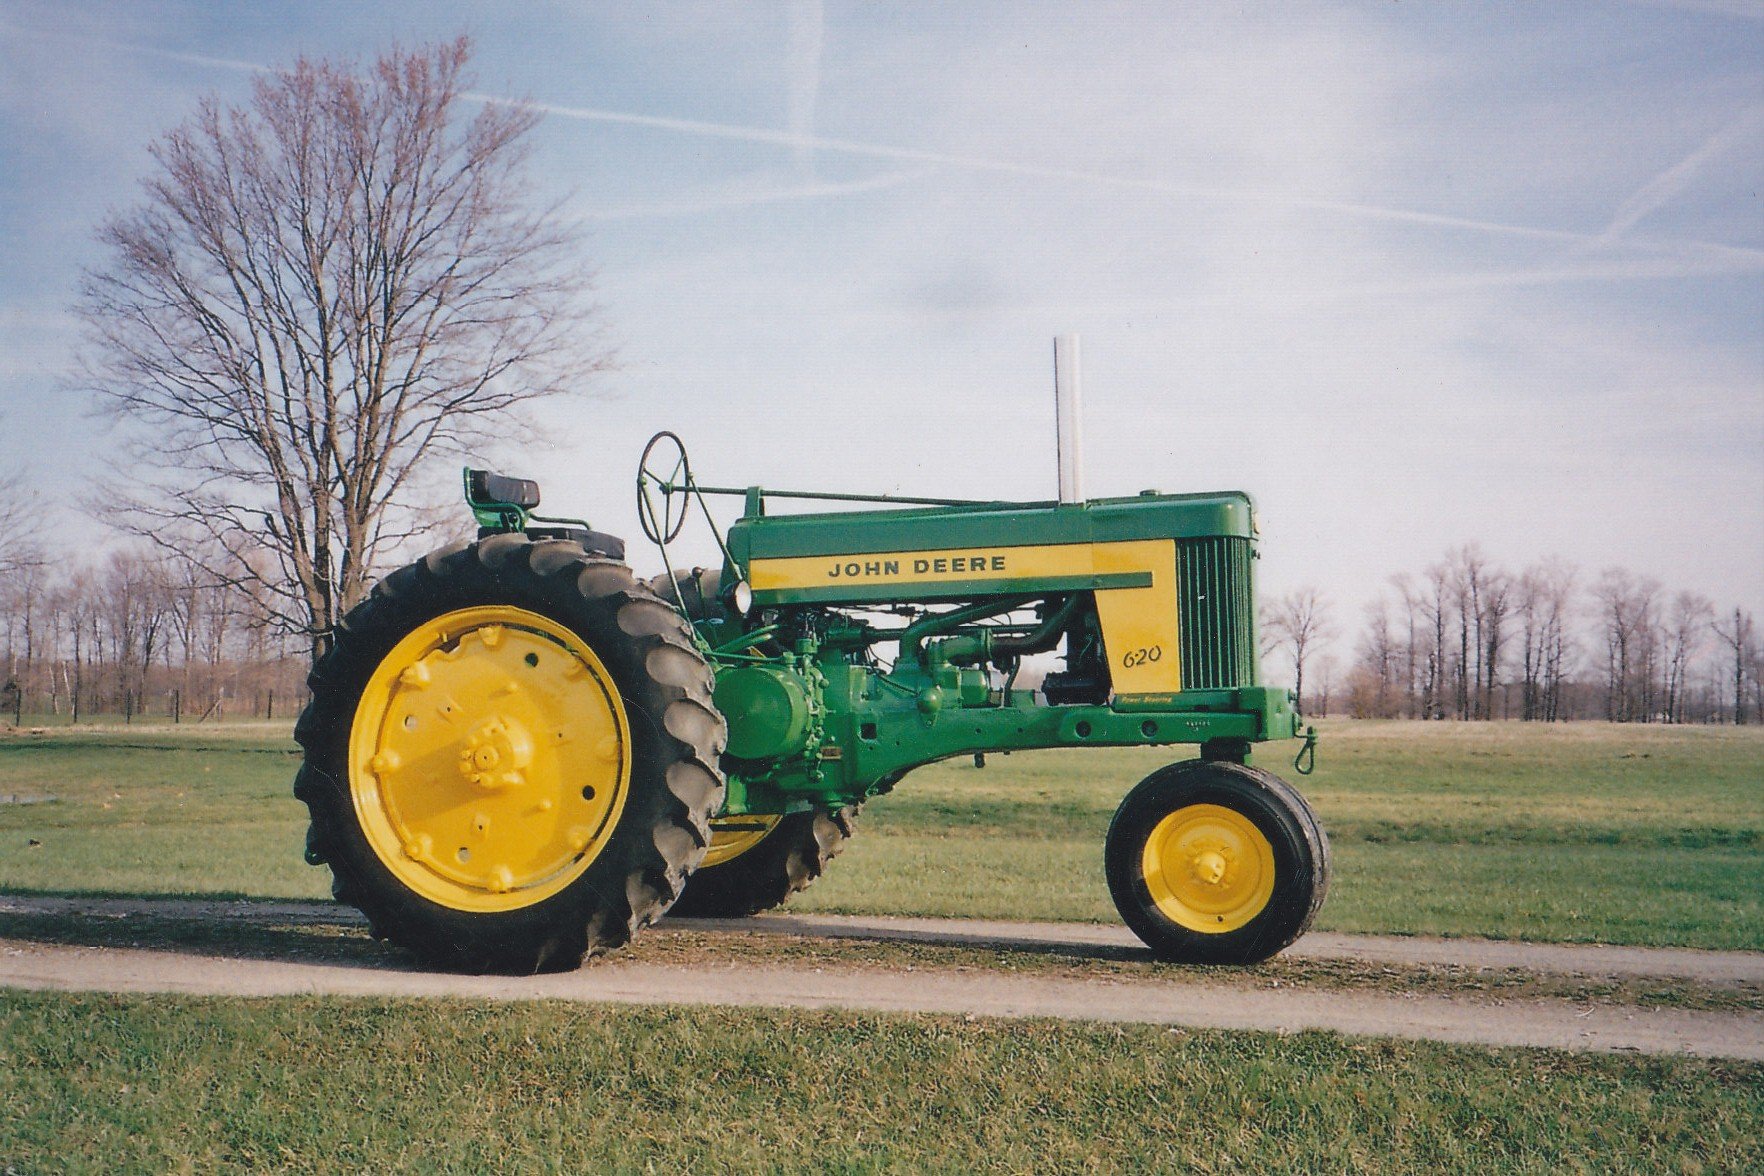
1068, 400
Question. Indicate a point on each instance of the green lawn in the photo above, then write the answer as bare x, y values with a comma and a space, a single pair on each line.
1586, 832
1626, 835
1641, 835
107, 1084
155, 811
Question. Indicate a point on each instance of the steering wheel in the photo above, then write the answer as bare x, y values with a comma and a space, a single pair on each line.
663, 525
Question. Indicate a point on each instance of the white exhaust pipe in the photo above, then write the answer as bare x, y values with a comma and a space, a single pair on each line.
1068, 401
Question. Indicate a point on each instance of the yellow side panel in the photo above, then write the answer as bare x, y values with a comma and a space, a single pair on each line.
1139, 624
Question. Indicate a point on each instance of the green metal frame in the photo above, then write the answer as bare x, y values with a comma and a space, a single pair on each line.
849, 728
873, 734
876, 725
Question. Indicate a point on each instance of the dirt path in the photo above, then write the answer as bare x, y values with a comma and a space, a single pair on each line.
1175, 1001
1198, 1005
1090, 940
1118, 942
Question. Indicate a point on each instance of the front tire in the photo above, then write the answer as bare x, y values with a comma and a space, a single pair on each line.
510, 756
1216, 863
757, 862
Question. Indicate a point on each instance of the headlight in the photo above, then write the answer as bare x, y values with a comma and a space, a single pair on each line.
742, 597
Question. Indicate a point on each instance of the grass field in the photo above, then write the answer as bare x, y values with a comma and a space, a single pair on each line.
163, 1084
1626, 835
1636, 835
1587, 832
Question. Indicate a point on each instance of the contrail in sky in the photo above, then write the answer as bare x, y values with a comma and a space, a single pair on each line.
1665, 187
806, 36
1738, 9
737, 198
225, 63
1042, 171
800, 142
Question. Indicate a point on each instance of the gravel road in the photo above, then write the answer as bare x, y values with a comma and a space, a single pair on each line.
1175, 1001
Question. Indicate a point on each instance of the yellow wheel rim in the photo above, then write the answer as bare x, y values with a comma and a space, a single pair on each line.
489, 759
733, 836
1208, 868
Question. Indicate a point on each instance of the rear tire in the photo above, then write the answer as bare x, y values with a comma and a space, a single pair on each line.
777, 864
529, 703
1216, 863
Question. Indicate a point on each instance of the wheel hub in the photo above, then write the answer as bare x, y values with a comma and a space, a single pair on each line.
1209, 868
490, 758
496, 755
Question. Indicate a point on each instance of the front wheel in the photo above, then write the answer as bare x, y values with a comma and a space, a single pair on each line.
1216, 863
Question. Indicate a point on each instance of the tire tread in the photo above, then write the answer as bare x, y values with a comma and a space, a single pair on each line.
590, 917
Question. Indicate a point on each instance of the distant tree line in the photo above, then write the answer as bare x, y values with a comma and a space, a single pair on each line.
1470, 639
139, 635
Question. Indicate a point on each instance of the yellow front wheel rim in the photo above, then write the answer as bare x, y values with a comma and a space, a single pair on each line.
1208, 868
733, 836
489, 759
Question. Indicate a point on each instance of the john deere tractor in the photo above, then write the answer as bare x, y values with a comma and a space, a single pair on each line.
518, 752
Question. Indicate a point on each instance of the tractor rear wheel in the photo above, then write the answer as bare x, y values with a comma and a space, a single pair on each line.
756, 862
1216, 863
510, 756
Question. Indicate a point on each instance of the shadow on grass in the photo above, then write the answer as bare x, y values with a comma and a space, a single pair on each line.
229, 923
147, 899
295, 941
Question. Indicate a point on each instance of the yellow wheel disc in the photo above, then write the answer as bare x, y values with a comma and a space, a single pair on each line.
733, 836
489, 759
1208, 868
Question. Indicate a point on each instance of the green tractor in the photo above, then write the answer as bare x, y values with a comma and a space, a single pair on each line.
518, 753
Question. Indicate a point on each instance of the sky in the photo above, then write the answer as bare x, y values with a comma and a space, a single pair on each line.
1414, 275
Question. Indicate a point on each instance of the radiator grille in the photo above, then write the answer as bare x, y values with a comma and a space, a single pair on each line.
1217, 613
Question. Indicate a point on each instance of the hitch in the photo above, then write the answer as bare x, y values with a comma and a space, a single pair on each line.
1305, 762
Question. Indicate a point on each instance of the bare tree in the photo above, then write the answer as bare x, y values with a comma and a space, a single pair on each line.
1328, 666
1684, 633
133, 607
321, 288
1481, 599
1298, 623
1741, 637
1434, 599
21, 575
1372, 681
1413, 652
1629, 611
20, 544
1543, 604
